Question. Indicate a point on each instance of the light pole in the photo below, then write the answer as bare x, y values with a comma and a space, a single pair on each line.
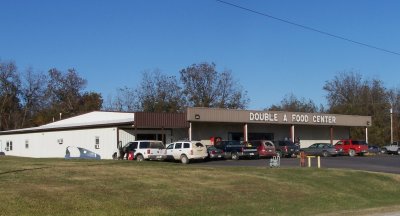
391, 125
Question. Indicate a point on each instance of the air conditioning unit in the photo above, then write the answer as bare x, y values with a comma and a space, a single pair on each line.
97, 146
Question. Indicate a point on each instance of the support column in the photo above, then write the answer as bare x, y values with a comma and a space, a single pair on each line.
331, 134
190, 130
292, 133
366, 134
245, 134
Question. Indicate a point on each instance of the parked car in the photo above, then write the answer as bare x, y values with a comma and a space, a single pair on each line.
214, 153
373, 149
320, 149
391, 148
186, 151
235, 149
146, 150
352, 147
286, 148
73, 152
2, 153
265, 148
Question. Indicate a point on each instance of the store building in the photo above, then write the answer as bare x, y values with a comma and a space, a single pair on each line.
104, 132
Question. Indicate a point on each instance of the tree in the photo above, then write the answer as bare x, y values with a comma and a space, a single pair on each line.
90, 101
125, 100
348, 93
33, 96
9, 96
204, 86
158, 92
292, 104
65, 95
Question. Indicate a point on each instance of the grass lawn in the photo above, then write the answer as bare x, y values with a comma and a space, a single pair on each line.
88, 187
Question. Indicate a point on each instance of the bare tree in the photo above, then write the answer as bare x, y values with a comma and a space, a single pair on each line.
204, 86
33, 92
9, 92
159, 92
124, 101
293, 104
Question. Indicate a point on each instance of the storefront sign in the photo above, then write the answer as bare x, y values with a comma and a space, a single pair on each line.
294, 118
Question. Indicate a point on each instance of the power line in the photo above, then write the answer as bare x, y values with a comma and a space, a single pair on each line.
308, 28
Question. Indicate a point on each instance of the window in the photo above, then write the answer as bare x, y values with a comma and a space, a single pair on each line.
186, 145
26, 144
178, 145
60, 141
170, 146
144, 145
9, 146
156, 145
97, 142
134, 145
199, 145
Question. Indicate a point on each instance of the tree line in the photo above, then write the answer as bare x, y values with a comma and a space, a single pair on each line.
349, 93
30, 98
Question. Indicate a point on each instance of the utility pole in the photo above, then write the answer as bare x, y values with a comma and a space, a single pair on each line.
391, 125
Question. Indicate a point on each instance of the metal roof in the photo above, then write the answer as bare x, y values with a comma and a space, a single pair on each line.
92, 119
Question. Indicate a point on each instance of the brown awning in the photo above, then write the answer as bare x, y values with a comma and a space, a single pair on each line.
160, 120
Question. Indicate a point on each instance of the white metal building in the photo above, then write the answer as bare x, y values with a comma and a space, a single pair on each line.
95, 131
103, 132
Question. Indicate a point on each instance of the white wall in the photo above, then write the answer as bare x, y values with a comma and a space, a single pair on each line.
45, 144
126, 135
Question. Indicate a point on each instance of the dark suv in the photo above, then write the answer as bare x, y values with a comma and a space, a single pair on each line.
286, 148
236, 149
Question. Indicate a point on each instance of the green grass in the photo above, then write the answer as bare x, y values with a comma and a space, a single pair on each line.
83, 187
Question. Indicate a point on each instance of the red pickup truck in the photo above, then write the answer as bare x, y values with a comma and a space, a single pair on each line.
352, 147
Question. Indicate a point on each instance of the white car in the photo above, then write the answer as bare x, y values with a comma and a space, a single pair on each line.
146, 150
186, 151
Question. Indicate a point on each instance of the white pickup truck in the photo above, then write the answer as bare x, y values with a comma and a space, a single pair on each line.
186, 151
392, 148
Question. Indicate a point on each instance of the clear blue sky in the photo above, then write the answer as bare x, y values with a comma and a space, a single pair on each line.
110, 43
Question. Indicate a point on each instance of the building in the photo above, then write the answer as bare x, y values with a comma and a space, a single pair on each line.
104, 132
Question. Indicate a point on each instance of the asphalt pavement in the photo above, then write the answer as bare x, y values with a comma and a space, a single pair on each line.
376, 163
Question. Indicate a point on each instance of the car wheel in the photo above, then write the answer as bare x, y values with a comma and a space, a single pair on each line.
383, 151
139, 158
352, 153
184, 159
325, 154
235, 156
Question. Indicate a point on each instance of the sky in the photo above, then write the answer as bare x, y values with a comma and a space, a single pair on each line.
111, 43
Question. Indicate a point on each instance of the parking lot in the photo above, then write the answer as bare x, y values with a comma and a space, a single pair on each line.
375, 163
